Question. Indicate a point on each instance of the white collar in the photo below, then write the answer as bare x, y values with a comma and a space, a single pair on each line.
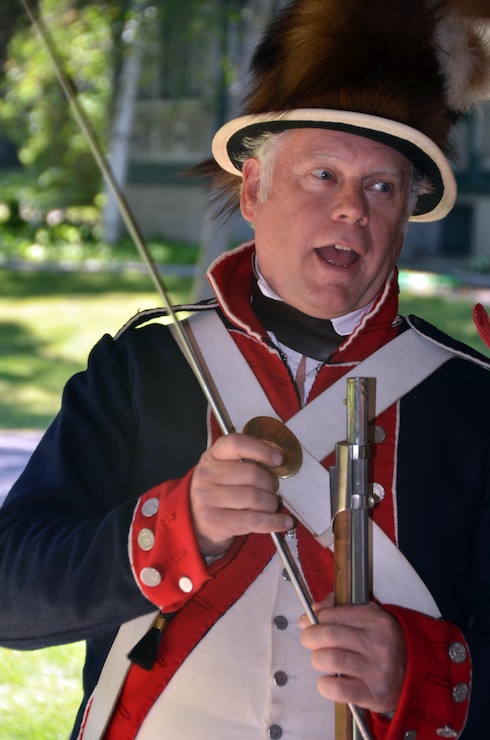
343, 325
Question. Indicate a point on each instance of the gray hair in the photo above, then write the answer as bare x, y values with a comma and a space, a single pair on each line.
265, 146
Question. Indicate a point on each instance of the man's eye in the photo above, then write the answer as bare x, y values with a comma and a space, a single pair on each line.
323, 174
383, 187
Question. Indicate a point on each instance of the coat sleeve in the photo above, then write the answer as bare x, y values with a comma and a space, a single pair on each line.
65, 571
165, 556
436, 691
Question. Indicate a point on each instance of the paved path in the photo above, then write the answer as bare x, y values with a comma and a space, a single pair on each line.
15, 450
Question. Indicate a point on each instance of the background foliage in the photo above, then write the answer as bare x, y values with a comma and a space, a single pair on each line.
34, 113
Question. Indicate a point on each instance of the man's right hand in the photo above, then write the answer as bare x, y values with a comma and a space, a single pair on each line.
233, 493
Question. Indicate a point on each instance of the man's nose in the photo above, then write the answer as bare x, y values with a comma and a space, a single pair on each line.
350, 204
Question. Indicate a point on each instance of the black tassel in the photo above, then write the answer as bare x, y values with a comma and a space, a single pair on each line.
144, 653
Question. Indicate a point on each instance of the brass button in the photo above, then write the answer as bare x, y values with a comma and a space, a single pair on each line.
150, 577
146, 539
150, 507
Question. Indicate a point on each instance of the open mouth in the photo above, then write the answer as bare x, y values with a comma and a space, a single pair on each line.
338, 255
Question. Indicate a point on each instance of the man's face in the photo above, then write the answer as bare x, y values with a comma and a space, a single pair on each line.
331, 229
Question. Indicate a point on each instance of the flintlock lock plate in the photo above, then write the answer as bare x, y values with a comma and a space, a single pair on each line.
277, 434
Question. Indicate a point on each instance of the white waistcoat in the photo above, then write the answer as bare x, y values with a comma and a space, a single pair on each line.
240, 683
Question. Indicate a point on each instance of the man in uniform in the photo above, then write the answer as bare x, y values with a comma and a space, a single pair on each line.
135, 503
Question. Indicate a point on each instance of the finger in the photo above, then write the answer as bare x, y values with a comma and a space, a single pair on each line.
371, 653
343, 690
346, 678
235, 485
373, 694
341, 662
232, 523
327, 603
245, 447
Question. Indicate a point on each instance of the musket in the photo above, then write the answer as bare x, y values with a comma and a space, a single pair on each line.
196, 363
350, 512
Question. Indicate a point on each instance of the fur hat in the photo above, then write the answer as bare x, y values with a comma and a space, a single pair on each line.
398, 72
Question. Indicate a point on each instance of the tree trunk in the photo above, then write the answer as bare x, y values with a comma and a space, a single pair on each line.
216, 233
123, 119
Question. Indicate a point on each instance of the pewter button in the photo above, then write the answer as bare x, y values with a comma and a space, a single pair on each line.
285, 575
460, 692
378, 492
281, 622
446, 732
377, 434
274, 732
150, 577
410, 735
280, 678
185, 584
146, 539
150, 507
457, 652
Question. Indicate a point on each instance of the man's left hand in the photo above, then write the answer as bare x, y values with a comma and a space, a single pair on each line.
360, 650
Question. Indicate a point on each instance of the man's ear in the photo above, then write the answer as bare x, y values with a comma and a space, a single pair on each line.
250, 189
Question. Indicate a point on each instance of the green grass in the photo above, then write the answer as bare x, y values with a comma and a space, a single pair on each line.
40, 692
49, 322
451, 315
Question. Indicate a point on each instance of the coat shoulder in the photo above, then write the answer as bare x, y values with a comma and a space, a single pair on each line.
161, 315
435, 335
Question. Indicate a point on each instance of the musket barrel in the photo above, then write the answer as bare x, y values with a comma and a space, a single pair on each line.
351, 528
357, 437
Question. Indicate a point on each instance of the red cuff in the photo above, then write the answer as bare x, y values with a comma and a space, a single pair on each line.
163, 549
435, 697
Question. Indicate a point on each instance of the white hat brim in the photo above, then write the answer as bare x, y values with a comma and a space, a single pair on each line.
419, 148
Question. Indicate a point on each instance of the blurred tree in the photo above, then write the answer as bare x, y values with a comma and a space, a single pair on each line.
101, 46
11, 16
33, 110
98, 44
215, 234
169, 51
133, 41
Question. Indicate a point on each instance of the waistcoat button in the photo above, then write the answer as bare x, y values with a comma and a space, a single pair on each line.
281, 622
274, 732
280, 678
